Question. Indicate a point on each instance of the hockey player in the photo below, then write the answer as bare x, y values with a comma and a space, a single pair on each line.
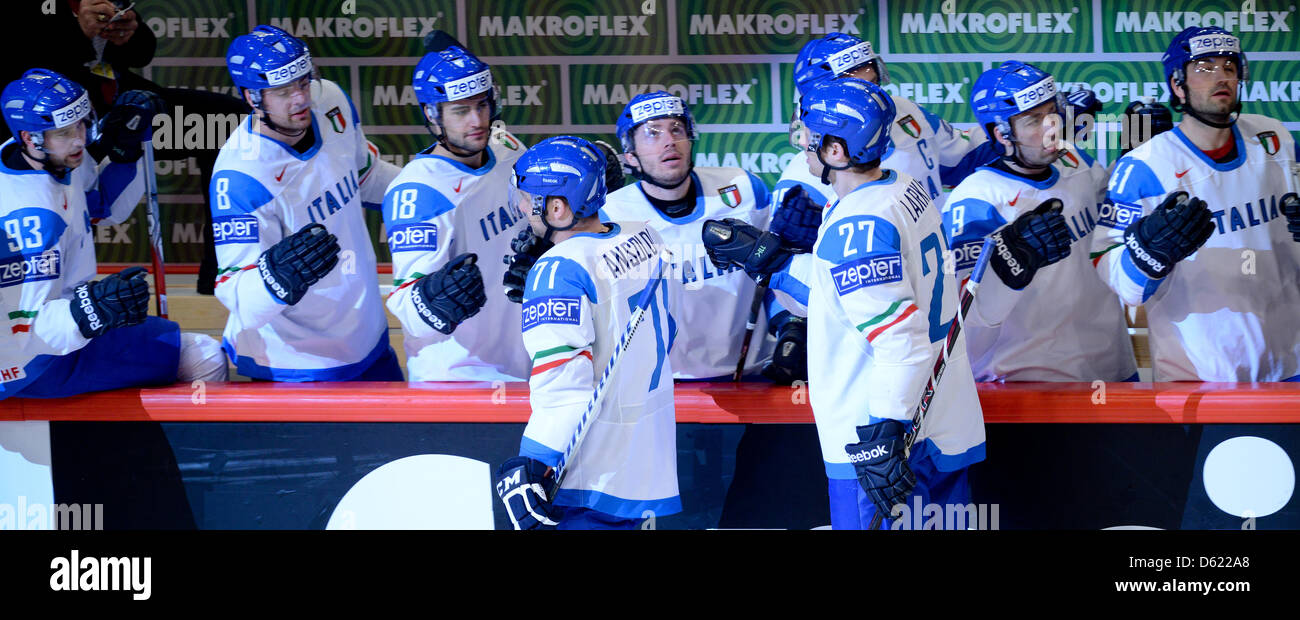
66, 334
298, 270
1192, 226
578, 303
880, 301
451, 200
657, 133
922, 145
1061, 323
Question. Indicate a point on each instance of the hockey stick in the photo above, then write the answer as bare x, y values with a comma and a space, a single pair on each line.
598, 396
941, 364
155, 229
750, 324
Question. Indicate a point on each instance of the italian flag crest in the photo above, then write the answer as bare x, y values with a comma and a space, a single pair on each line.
1070, 160
507, 141
1270, 141
730, 196
910, 126
336, 120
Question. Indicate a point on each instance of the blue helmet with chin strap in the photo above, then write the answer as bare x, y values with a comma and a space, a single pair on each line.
856, 111
265, 58
564, 166
1010, 89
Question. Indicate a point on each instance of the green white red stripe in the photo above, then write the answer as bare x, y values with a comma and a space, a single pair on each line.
893, 315
26, 317
555, 357
229, 272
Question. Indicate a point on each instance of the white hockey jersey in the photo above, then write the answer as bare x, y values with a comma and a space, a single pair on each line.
924, 147
435, 210
577, 303
263, 190
46, 250
879, 307
1229, 311
716, 303
1066, 325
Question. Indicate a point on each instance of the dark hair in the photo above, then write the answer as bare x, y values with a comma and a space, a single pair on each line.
855, 168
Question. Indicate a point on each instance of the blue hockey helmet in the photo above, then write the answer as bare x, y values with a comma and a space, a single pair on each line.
1010, 89
831, 57
564, 166
267, 57
42, 100
856, 111
1195, 43
649, 106
451, 75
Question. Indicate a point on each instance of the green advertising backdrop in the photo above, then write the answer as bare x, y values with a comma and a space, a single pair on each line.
568, 66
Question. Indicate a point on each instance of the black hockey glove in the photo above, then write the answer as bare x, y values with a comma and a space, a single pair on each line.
123, 130
527, 248
116, 301
881, 465
298, 261
1290, 205
448, 296
790, 359
797, 220
1172, 232
524, 484
732, 241
1032, 241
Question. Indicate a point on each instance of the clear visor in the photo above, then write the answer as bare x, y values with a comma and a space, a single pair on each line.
676, 131
798, 138
526, 201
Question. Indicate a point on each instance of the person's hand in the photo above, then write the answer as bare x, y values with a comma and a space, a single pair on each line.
93, 15
120, 31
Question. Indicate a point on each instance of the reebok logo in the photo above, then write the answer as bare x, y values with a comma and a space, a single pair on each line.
1130, 240
764, 24
88, 307
863, 456
265, 271
982, 23
556, 26
1005, 254
1176, 21
693, 94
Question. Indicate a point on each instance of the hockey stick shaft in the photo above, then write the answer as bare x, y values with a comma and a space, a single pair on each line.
936, 373
598, 396
155, 230
754, 307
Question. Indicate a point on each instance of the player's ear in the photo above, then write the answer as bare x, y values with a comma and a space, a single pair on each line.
558, 208
1000, 137
630, 159
1176, 90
